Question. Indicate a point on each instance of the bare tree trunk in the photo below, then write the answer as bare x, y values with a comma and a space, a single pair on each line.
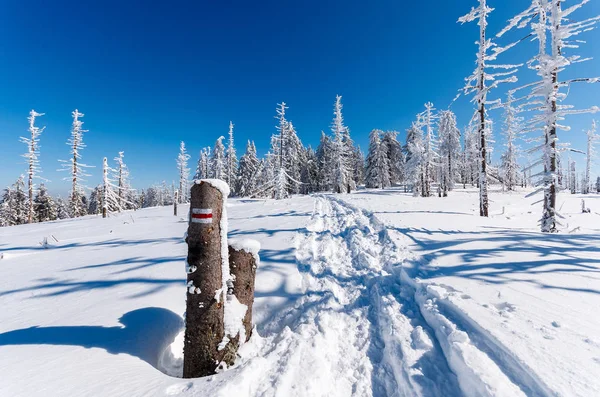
175, 204
483, 193
205, 298
242, 266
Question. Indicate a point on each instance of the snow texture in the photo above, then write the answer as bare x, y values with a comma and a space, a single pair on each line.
366, 294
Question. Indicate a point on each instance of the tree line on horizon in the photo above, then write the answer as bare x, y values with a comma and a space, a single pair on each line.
435, 157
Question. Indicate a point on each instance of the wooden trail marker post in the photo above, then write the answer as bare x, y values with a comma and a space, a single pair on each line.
204, 314
209, 291
175, 203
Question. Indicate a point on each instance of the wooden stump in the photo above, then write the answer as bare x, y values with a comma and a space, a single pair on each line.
204, 313
242, 266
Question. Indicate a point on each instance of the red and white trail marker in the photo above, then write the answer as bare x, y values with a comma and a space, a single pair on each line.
202, 215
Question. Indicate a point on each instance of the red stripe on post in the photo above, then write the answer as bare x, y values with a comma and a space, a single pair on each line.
202, 216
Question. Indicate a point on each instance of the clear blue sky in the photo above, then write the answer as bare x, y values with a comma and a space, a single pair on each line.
149, 74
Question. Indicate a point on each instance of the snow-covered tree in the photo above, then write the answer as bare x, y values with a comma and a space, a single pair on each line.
393, 150
266, 177
415, 158
341, 152
309, 171
5, 209
248, 172
125, 194
45, 208
217, 161
572, 177
77, 199
378, 166
285, 149
554, 29
95, 201
512, 128
15, 200
203, 167
231, 162
480, 83
430, 155
33, 148
598, 184
184, 174
592, 137
449, 136
324, 160
358, 160
470, 163
62, 209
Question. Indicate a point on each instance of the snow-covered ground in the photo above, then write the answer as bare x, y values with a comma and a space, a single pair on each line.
375, 293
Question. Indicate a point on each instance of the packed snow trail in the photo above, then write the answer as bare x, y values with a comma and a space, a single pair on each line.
415, 349
363, 324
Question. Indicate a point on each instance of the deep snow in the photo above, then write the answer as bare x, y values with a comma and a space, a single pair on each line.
375, 293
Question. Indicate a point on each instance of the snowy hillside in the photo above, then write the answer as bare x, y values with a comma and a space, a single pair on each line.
375, 293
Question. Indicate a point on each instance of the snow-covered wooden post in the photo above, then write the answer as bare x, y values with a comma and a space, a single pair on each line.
175, 203
220, 284
204, 329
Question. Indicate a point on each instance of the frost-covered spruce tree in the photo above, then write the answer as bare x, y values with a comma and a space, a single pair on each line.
393, 150
598, 184
184, 174
282, 149
45, 208
430, 155
472, 153
267, 171
592, 137
324, 160
4, 212
480, 83
572, 177
554, 29
309, 171
293, 159
16, 199
415, 155
512, 128
449, 137
33, 148
248, 172
217, 161
62, 209
231, 162
203, 169
341, 151
378, 166
121, 177
95, 201
359, 167
111, 201
77, 205
8, 216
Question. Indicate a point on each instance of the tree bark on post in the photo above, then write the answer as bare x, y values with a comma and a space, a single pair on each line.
205, 306
242, 267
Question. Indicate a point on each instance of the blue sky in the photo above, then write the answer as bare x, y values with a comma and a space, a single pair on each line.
149, 74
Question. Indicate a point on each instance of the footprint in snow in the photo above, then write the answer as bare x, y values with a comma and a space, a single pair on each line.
505, 309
